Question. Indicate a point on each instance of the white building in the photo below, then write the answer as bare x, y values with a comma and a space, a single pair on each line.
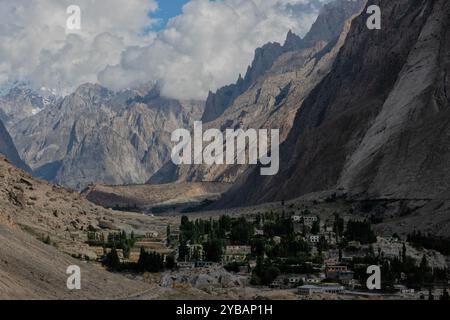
308, 290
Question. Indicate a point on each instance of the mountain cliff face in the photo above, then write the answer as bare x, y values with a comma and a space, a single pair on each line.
327, 27
8, 149
20, 103
95, 135
218, 102
273, 96
377, 125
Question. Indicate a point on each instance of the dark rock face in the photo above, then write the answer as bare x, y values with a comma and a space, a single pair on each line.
377, 125
8, 149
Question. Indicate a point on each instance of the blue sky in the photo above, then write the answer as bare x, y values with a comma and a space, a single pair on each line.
167, 9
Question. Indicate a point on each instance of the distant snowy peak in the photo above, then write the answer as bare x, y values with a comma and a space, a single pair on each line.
20, 102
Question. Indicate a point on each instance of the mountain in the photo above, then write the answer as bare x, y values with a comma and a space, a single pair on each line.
20, 102
280, 78
96, 135
328, 26
8, 149
218, 102
376, 127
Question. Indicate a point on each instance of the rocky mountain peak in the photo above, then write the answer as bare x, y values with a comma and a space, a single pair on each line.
328, 27
21, 102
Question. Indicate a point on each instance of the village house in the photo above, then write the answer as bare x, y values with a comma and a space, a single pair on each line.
331, 262
185, 265
403, 289
354, 244
313, 279
205, 264
196, 251
259, 232
308, 290
307, 220
236, 254
339, 273
151, 235
286, 281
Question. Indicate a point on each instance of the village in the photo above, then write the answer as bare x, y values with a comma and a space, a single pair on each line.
293, 251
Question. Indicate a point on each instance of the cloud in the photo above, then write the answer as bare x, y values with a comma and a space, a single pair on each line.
34, 45
204, 48
209, 45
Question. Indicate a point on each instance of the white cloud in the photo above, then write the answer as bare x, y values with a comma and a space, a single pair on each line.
35, 47
210, 44
204, 48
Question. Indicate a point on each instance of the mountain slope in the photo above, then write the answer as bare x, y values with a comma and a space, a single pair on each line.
8, 149
31, 209
32, 270
377, 125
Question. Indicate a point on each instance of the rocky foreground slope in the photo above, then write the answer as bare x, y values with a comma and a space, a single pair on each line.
31, 211
377, 126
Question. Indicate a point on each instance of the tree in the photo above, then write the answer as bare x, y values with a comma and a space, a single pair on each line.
126, 250
322, 245
445, 296
338, 225
168, 234
315, 229
225, 223
150, 262
170, 262
213, 250
183, 252
430, 294
360, 231
258, 247
404, 252
241, 231
112, 260
424, 265
264, 274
